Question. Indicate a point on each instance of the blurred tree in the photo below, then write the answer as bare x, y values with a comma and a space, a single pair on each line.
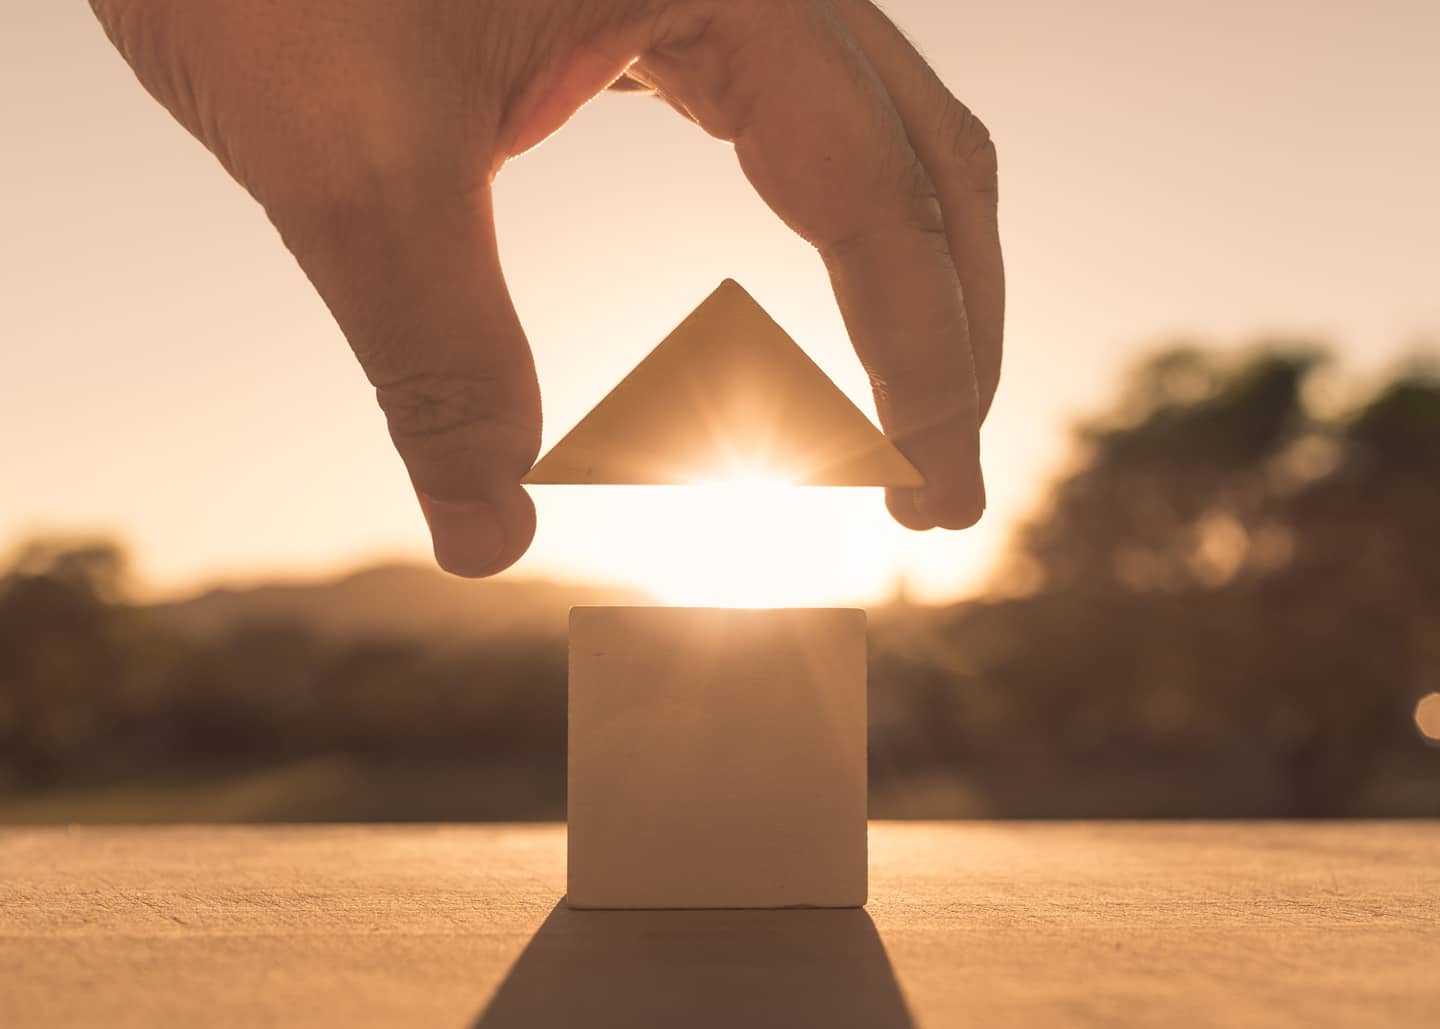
251, 694
1360, 599
79, 672
1174, 479
97, 568
1229, 581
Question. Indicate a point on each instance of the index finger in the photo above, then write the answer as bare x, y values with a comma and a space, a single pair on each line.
957, 151
819, 138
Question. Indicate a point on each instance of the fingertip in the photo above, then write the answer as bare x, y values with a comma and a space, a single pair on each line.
903, 505
953, 516
479, 538
952, 505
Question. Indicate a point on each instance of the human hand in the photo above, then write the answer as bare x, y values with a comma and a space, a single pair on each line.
371, 131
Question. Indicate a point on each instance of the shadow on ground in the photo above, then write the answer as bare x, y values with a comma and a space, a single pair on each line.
701, 969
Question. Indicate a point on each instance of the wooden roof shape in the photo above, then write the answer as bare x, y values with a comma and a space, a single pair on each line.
727, 394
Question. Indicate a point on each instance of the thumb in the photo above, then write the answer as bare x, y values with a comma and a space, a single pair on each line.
415, 284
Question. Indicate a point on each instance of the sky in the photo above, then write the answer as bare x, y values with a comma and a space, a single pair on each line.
1218, 172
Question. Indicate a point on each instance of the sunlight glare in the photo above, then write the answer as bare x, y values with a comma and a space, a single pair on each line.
751, 540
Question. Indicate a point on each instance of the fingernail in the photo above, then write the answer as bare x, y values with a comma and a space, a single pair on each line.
468, 537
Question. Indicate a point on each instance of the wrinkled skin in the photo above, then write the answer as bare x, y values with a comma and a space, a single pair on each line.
371, 132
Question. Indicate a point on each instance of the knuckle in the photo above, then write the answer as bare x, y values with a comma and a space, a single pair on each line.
915, 184
919, 386
967, 144
722, 63
922, 210
912, 215
452, 427
918, 408
910, 196
429, 406
681, 27
920, 391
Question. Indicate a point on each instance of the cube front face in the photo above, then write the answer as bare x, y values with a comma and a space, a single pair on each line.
717, 758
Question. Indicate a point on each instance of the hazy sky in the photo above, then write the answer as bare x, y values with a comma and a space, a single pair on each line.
1215, 170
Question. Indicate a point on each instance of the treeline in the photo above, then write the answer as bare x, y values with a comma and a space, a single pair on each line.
92, 688
1230, 606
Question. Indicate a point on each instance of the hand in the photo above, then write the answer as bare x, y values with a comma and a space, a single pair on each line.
371, 131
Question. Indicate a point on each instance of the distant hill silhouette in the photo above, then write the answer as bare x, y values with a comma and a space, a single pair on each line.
397, 600
1227, 608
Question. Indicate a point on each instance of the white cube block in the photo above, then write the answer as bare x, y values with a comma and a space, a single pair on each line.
717, 758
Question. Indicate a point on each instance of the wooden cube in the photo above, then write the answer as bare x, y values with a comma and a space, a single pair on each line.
717, 758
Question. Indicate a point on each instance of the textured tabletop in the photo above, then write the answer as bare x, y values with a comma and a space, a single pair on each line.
968, 924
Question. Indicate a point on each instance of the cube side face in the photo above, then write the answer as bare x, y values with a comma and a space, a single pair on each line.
717, 758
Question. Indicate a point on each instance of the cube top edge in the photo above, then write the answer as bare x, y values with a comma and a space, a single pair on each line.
709, 607
680, 611
745, 619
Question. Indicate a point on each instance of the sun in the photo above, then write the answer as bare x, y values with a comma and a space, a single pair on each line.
750, 539
725, 550
747, 538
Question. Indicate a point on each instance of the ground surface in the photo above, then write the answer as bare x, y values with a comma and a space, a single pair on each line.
1252, 924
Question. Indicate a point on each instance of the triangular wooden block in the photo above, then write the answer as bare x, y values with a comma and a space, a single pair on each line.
727, 394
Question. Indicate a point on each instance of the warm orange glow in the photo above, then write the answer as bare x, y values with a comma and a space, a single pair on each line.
751, 540
747, 541
201, 404
1427, 717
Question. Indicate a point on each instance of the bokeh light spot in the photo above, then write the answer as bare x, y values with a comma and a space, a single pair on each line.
1427, 717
